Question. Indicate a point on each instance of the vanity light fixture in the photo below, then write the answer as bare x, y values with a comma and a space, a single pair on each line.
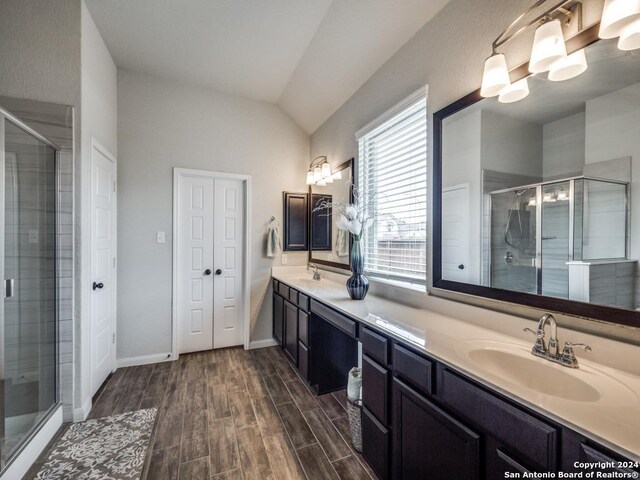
548, 47
562, 196
548, 52
532, 202
320, 172
617, 15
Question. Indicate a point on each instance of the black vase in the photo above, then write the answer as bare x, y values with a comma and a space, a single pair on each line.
357, 285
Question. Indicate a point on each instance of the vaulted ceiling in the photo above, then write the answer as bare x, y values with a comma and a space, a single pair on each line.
307, 56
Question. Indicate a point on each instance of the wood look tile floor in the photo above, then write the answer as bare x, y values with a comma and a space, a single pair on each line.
234, 414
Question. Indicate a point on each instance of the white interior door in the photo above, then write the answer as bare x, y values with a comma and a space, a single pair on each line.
455, 234
103, 265
228, 246
195, 263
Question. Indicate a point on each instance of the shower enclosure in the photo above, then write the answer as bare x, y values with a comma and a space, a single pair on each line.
536, 230
28, 317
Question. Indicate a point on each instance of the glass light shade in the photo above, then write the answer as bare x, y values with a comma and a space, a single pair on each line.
563, 196
568, 67
532, 202
326, 170
514, 92
548, 47
321, 183
317, 174
630, 37
495, 76
617, 15
548, 198
310, 180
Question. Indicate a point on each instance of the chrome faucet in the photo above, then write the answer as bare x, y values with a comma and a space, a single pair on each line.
550, 350
316, 274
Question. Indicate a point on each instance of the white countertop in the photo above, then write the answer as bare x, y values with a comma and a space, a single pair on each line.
612, 420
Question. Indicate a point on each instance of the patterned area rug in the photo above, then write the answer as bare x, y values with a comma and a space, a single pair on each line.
111, 448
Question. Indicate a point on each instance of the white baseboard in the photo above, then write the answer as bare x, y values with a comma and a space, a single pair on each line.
81, 414
143, 360
270, 342
22, 463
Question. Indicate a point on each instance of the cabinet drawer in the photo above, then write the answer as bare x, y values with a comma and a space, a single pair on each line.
375, 444
293, 296
303, 302
531, 438
303, 361
337, 319
275, 284
588, 454
413, 369
303, 327
375, 346
283, 290
375, 387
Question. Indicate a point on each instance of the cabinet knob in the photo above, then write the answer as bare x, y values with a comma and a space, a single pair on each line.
218, 272
207, 271
97, 286
461, 267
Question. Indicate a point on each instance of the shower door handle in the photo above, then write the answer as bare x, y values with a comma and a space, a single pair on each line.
98, 286
9, 285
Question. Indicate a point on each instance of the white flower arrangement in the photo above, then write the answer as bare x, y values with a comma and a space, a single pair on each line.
354, 217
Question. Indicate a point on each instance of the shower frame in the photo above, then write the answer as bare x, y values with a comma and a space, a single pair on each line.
5, 115
539, 201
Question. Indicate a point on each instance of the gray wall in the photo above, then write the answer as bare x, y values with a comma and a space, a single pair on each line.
448, 55
162, 125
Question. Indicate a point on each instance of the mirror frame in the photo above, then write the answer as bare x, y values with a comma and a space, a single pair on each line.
571, 307
349, 163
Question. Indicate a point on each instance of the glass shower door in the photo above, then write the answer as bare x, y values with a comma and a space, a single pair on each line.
556, 239
28, 331
513, 240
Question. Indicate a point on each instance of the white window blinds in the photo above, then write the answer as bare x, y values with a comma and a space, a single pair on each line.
392, 170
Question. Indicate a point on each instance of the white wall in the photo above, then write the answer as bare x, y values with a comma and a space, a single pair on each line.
162, 125
563, 147
99, 102
447, 54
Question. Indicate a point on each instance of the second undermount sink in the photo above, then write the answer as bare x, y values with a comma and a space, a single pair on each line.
516, 365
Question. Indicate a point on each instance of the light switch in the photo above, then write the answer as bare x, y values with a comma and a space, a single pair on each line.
160, 237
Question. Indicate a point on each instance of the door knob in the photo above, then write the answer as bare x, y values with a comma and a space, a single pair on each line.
218, 272
207, 271
461, 267
98, 286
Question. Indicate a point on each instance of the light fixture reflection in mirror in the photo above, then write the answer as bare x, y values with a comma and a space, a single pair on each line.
569, 67
630, 37
514, 92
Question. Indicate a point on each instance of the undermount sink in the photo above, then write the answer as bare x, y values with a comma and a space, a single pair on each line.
516, 365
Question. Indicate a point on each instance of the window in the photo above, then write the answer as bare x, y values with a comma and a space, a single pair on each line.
392, 174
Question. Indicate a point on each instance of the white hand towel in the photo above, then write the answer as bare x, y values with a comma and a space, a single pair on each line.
273, 241
354, 384
342, 242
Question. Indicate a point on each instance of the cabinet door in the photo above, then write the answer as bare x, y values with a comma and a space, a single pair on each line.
278, 318
429, 443
291, 331
375, 385
375, 444
296, 222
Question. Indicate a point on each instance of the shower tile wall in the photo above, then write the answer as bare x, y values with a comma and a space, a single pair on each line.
55, 122
494, 261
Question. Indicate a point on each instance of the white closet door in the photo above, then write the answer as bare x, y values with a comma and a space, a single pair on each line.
195, 262
228, 248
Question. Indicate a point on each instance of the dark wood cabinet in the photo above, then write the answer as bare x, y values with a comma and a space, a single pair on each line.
278, 319
291, 331
375, 388
428, 442
375, 444
422, 419
296, 222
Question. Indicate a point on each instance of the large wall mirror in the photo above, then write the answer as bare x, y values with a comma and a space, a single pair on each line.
330, 245
538, 202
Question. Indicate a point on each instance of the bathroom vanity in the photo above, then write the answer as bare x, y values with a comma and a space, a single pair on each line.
446, 399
